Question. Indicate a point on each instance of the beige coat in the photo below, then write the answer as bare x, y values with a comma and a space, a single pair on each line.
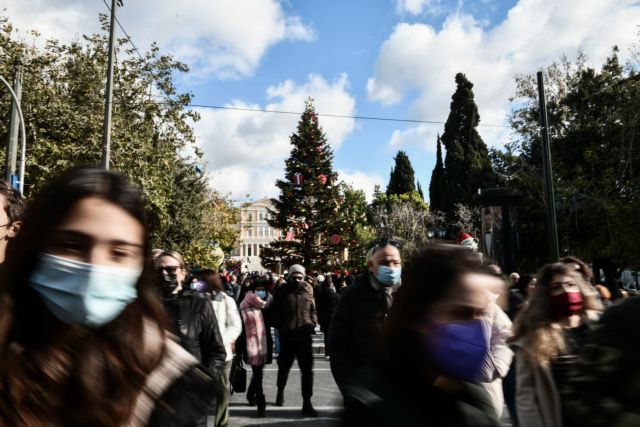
537, 399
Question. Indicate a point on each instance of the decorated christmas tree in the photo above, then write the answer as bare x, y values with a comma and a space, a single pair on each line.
309, 208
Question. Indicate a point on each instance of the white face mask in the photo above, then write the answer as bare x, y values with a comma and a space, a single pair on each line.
83, 294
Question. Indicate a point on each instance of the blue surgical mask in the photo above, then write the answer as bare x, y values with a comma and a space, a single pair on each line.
458, 348
262, 295
388, 276
83, 294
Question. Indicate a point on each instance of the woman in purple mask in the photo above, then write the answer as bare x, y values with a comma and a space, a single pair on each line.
548, 335
436, 346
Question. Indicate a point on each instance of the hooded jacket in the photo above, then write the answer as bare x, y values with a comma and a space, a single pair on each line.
294, 311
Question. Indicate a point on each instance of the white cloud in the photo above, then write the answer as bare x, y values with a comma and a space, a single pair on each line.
224, 38
416, 7
361, 180
422, 136
245, 151
418, 58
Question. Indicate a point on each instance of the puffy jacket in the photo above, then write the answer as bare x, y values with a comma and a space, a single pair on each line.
294, 310
357, 329
195, 323
228, 318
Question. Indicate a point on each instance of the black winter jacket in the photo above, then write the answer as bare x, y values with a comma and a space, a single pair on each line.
293, 311
195, 323
356, 336
326, 304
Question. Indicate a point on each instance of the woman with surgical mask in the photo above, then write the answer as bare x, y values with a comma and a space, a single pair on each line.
82, 333
548, 335
435, 346
257, 340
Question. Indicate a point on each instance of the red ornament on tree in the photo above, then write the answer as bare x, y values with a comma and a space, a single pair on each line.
322, 178
335, 239
290, 235
297, 179
314, 118
305, 226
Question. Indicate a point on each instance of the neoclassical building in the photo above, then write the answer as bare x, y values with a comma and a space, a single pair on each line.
255, 233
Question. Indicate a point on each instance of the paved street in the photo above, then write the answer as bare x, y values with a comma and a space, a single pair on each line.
326, 397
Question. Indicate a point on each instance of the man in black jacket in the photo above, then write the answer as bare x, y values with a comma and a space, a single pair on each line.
294, 314
193, 317
357, 330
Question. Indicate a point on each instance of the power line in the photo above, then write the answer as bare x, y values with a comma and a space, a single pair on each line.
386, 119
129, 39
259, 110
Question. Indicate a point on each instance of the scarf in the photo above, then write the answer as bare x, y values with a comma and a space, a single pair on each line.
254, 327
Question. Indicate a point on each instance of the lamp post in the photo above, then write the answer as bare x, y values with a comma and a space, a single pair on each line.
108, 93
23, 151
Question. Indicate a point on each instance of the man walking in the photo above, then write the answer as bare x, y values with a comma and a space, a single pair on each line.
357, 330
294, 314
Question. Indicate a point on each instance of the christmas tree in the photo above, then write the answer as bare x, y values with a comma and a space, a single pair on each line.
309, 209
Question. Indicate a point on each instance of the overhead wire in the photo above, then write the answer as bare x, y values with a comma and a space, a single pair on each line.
261, 110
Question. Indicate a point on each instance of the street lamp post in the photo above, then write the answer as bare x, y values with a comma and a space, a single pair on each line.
108, 93
23, 151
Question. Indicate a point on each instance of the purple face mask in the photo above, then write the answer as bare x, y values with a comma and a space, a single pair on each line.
458, 348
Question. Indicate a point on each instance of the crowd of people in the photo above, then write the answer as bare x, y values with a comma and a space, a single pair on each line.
98, 329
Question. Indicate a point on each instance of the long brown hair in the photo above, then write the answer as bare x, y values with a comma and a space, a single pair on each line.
537, 327
54, 373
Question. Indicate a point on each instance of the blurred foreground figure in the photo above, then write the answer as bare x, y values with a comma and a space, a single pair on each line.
604, 390
82, 334
436, 346
10, 215
548, 336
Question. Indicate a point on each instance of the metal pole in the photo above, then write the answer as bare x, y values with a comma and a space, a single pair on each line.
12, 146
108, 95
24, 137
548, 173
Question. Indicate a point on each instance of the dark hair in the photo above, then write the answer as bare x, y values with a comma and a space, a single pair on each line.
13, 202
522, 285
262, 281
73, 376
583, 268
428, 278
211, 278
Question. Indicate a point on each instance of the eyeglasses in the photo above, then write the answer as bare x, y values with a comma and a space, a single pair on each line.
383, 242
169, 269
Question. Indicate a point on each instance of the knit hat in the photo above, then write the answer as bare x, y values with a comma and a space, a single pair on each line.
320, 278
296, 268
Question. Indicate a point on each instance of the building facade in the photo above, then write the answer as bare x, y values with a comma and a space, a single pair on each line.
255, 233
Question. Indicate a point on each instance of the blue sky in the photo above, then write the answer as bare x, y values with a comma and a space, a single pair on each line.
385, 58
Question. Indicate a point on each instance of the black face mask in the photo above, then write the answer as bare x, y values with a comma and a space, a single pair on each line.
168, 282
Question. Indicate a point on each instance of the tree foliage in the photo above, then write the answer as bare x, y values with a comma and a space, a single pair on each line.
438, 185
467, 165
63, 103
592, 124
402, 178
310, 208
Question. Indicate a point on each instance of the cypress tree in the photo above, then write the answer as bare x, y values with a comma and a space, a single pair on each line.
402, 179
420, 190
467, 165
437, 186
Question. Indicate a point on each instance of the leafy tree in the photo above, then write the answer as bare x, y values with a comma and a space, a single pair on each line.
467, 165
63, 105
361, 234
310, 204
592, 118
402, 179
438, 186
